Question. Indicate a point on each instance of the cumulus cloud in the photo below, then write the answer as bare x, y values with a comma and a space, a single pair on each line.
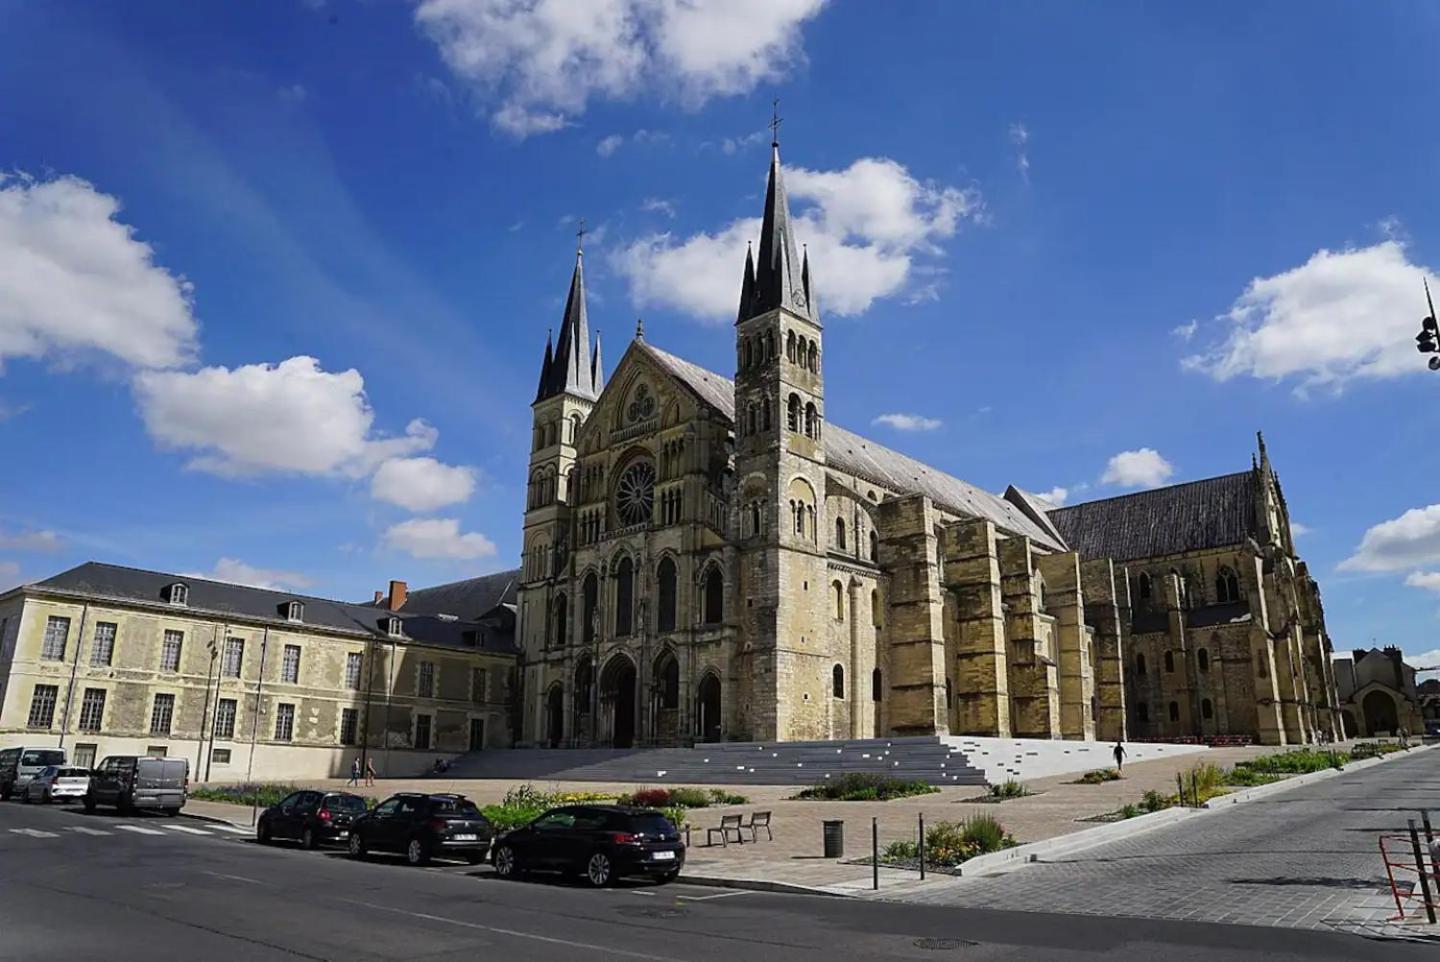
236, 572
1424, 659
1340, 316
1409, 541
865, 226
1429, 580
1142, 468
288, 418
908, 422
75, 282
422, 484
1299, 530
536, 64
608, 145
39, 541
658, 205
1056, 496
437, 538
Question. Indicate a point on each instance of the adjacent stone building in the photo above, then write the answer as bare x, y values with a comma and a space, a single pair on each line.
1378, 694
711, 558
248, 682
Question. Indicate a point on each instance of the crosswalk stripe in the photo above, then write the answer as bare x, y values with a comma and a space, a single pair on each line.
34, 833
140, 829
232, 829
187, 830
87, 831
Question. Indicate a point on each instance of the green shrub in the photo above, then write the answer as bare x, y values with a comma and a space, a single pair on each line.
1010, 788
1099, 776
898, 851
1130, 811
505, 817
950, 843
1373, 749
1298, 761
718, 796
247, 793
1153, 801
864, 787
681, 798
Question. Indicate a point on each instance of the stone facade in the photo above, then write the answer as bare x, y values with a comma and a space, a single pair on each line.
1379, 694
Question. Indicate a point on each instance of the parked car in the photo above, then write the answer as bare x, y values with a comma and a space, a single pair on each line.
311, 817
602, 842
55, 782
129, 782
421, 827
19, 765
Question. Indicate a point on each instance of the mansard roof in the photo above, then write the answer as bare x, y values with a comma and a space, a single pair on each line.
853, 454
468, 599
1211, 513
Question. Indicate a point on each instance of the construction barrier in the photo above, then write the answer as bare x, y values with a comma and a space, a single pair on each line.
1410, 868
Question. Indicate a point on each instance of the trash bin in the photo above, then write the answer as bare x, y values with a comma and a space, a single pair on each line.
834, 831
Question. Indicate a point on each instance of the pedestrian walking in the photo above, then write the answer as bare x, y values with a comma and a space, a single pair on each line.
1119, 757
354, 772
1404, 738
369, 771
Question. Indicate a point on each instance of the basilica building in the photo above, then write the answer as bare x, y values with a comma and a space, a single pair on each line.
709, 557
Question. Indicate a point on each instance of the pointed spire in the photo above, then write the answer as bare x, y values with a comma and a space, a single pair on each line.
639, 328
747, 286
1264, 457
545, 366
597, 368
777, 271
805, 280
571, 371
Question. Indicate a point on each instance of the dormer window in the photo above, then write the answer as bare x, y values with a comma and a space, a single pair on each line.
178, 594
392, 627
294, 611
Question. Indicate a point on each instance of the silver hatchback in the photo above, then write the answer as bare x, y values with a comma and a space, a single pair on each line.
56, 784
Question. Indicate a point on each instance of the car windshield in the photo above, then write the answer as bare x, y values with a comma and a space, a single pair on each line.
353, 804
73, 773
649, 824
43, 757
454, 806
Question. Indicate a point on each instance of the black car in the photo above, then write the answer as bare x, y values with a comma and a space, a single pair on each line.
602, 842
422, 827
311, 817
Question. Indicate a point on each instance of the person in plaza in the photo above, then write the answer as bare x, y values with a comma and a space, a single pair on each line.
354, 772
369, 771
1404, 737
1119, 756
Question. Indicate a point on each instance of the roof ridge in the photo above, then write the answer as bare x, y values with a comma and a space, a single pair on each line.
187, 579
1163, 487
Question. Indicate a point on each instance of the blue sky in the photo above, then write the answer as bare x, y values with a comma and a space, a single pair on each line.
275, 278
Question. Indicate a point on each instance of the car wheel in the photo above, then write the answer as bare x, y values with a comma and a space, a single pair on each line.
506, 865
416, 853
262, 833
26, 796
307, 838
667, 878
598, 871
358, 848
89, 803
5, 791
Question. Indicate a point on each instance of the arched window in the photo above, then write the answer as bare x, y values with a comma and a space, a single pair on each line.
754, 420
840, 533
874, 546
624, 598
1170, 661
814, 357
790, 346
1207, 710
1174, 711
812, 421
1227, 586
837, 681
810, 521
590, 598
875, 685
875, 608
714, 596
839, 590
667, 680
1202, 658
574, 427
562, 620
769, 345
1140, 664
765, 413
665, 610
749, 353
1144, 583
792, 413
584, 680
797, 511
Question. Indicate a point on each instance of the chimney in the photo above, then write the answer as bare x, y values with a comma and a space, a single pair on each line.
379, 595
396, 601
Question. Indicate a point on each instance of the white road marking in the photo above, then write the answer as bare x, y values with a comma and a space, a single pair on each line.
607, 950
88, 831
140, 829
187, 829
706, 898
236, 878
232, 829
34, 833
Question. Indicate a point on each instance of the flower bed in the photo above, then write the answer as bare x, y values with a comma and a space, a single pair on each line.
1098, 777
949, 845
864, 787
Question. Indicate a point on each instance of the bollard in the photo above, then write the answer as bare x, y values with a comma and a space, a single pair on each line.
922, 846
875, 851
1420, 870
1180, 788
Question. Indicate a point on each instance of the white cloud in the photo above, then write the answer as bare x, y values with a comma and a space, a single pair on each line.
1409, 541
608, 145
46, 541
1299, 530
908, 422
865, 226
1429, 580
1143, 468
1056, 496
422, 484
235, 572
733, 145
290, 418
1020, 140
658, 205
1338, 317
74, 281
1186, 331
1424, 659
538, 63
437, 538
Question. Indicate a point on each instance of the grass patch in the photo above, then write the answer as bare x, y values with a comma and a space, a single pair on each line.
1010, 788
1299, 761
864, 787
1374, 749
246, 793
1099, 777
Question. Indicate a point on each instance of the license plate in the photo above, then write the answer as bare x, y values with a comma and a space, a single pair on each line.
463, 838
342, 834
663, 856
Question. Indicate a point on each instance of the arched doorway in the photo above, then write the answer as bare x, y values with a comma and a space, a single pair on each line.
707, 708
555, 715
665, 698
617, 701
1380, 714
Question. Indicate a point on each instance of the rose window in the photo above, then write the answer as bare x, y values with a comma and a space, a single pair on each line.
635, 497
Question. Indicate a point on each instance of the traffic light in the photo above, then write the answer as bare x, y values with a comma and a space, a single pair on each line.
1426, 341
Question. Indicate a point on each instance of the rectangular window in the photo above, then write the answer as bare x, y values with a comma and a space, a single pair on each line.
425, 686
349, 724
102, 650
84, 756
422, 732
57, 632
234, 657
162, 714
42, 706
290, 665
224, 718
157, 751
220, 756
479, 685
170, 651
284, 722
92, 710
352, 670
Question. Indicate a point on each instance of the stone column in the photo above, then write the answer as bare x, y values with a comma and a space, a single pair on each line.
917, 630
1106, 591
972, 575
1034, 680
1065, 601
1177, 686
856, 703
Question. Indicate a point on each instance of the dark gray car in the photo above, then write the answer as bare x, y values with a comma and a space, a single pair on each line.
129, 782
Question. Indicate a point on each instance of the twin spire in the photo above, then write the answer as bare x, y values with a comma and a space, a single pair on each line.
570, 367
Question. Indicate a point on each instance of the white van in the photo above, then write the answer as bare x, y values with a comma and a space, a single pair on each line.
19, 765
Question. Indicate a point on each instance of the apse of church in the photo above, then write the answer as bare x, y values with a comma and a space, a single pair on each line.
710, 558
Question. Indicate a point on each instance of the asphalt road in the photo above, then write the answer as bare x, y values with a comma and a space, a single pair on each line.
74, 886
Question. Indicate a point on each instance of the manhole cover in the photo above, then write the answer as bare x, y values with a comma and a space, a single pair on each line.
655, 913
943, 944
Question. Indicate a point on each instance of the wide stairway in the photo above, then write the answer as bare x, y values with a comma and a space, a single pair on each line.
923, 758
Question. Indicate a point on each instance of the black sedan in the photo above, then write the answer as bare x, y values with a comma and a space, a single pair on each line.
311, 817
602, 842
422, 827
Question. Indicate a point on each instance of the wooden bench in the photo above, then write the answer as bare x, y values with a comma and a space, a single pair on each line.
728, 824
758, 821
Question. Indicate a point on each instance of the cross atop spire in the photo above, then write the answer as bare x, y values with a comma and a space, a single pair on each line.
580, 237
775, 121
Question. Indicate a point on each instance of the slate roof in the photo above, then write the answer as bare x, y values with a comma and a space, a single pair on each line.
100, 581
469, 599
853, 454
1163, 521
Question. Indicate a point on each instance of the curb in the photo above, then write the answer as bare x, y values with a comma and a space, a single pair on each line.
1261, 791
214, 819
756, 885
